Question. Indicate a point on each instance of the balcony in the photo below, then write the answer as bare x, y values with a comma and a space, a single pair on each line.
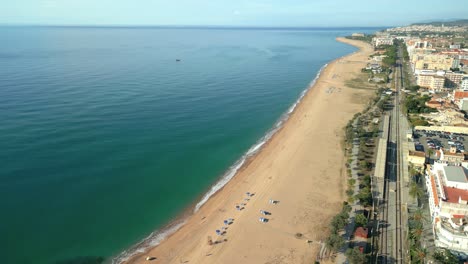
456, 232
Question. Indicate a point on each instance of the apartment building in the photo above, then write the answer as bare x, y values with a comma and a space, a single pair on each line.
447, 187
384, 40
453, 79
433, 82
434, 62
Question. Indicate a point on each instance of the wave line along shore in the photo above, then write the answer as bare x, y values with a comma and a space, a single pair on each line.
291, 151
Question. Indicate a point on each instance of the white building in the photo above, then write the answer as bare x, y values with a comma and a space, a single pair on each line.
357, 35
448, 202
463, 104
464, 83
378, 41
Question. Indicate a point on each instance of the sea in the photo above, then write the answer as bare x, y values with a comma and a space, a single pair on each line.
110, 136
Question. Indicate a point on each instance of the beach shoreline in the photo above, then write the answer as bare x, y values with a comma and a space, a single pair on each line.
265, 173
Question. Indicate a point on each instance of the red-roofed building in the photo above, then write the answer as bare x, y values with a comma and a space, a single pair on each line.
459, 95
433, 192
454, 195
447, 187
434, 104
361, 232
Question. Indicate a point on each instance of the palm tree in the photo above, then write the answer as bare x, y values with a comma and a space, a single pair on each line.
418, 215
419, 254
417, 232
430, 152
414, 172
415, 191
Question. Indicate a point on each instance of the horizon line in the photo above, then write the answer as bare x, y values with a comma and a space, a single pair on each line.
189, 26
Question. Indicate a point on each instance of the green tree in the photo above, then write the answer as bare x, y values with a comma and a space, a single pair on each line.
355, 256
430, 152
415, 191
445, 257
417, 232
414, 88
417, 104
346, 208
334, 242
361, 220
364, 164
414, 173
339, 221
418, 216
419, 254
365, 196
366, 180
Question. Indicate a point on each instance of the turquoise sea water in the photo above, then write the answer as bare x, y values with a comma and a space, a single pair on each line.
105, 137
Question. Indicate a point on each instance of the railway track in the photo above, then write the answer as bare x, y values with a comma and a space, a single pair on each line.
391, 248
399, 246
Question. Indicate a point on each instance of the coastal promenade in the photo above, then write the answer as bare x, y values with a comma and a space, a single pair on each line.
301, 167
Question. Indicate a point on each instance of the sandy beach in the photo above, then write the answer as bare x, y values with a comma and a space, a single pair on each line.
302, 167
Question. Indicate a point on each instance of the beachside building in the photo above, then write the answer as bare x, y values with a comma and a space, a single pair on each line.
357, 35
447, 188
375, 67
383, 40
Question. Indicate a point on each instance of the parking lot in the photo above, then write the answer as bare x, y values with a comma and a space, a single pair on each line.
425, 140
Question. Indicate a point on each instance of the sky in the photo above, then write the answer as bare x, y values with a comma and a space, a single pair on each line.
301, 13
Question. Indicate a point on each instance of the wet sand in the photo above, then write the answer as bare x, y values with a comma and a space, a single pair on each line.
302, 167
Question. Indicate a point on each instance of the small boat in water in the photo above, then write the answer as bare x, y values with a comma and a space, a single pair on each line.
177, 60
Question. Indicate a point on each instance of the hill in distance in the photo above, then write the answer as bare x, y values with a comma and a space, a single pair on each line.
452, 22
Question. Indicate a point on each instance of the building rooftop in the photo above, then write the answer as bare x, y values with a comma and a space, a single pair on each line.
454, 154
434, 191
417, 153
460, 94
455, 174
453, 194
361, 232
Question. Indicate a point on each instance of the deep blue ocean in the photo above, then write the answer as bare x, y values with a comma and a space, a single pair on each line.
106, 137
